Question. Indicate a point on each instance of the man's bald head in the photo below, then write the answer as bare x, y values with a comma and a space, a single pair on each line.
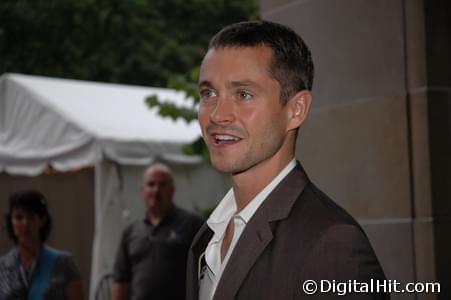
158, 168
158, 189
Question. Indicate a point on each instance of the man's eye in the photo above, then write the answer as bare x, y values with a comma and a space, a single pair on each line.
207, 93
243, 95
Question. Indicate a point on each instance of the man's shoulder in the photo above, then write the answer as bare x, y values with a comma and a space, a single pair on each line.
133, 227
321, 222
315, 204
188, 220
310, 203
317, 224
315, 215
186, 215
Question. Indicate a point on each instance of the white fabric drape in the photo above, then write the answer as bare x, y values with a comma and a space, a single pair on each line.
71, 123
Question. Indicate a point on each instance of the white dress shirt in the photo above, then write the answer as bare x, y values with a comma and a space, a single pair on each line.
218, 221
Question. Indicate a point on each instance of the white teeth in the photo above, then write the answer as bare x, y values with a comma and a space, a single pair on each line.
226, 138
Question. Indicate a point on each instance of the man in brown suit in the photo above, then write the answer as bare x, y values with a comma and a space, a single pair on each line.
274, 230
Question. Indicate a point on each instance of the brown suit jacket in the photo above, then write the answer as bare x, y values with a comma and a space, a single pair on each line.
297, 234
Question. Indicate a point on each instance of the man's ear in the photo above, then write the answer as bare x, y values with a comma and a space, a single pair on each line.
141, 187
298, 108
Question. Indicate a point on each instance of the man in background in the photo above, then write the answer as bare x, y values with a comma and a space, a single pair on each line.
151, 259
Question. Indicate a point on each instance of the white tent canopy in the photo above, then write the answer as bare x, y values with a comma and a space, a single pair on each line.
72, 123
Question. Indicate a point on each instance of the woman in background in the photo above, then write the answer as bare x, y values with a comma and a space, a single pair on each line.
32, 270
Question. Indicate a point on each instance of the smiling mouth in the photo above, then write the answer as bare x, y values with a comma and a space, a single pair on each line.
225, 139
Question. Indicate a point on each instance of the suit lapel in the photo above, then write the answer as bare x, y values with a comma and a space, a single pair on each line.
198, 247
258, 233
251, 244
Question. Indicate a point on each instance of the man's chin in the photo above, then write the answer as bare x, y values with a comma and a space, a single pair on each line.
151, 207
229, 167
222, 167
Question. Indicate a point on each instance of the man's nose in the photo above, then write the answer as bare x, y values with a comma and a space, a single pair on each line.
156, 188
222, 112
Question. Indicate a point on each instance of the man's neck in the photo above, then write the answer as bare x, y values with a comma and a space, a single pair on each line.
156, 216
246, 185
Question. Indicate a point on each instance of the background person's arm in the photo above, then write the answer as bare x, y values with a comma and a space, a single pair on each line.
120, 291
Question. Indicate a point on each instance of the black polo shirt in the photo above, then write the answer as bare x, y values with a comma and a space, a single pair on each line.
152, 259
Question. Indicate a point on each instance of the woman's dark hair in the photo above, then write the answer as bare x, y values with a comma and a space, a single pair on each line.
32, 201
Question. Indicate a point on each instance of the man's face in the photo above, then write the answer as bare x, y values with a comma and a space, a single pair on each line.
157, 190
241, 116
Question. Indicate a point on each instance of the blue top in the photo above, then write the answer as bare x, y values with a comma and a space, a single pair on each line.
47, 280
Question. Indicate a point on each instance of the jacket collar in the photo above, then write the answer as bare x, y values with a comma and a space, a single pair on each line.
258, 232
255, 237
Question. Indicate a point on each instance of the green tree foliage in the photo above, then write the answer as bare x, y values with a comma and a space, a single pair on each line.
128, 41
145, 42
188, 85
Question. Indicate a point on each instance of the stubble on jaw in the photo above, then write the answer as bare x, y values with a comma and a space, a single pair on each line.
268, 148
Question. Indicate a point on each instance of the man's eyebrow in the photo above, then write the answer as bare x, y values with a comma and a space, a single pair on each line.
230, 84
204, 83
243, 83
240, 83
